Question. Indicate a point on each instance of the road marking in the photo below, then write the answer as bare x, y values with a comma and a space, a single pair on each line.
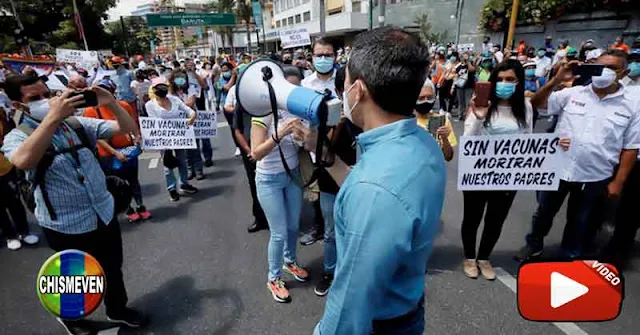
223, 124
109, 331
153, 163
509, 281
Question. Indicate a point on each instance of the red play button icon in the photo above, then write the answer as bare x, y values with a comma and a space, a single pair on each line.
569, 291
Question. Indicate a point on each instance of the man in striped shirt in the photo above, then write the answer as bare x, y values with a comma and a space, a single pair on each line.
77, 211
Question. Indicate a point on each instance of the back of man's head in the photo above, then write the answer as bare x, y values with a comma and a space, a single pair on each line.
77, 82
392, 64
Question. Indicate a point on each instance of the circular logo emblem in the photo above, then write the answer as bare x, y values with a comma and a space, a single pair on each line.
71, 284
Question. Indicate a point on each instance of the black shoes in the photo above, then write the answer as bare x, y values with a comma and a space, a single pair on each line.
188, 189
323, 286
526, 253
208, 163
200, 175
257, 226
129, 317
191, 176
174, 196
311, 237
79, 327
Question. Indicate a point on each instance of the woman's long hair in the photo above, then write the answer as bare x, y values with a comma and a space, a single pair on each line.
517, 99
173, 89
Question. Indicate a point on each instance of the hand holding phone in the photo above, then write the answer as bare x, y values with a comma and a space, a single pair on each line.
90, 98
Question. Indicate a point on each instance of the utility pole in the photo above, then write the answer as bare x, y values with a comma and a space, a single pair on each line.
27, 48
382, 9
458, 21
125, 35
322, 17
370, 14
512, 24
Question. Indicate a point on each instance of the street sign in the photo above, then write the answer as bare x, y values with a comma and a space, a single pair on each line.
191, 19
257, 13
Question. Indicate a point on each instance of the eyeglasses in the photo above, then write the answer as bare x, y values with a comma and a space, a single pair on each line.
323, 55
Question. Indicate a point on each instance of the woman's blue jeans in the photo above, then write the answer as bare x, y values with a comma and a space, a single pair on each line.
281, 200
181, 156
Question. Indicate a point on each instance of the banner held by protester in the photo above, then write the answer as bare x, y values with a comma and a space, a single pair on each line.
164, 134
206, 125
83, 59
509, 162
295, 37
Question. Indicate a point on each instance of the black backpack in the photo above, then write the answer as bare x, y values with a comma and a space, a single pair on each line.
119, 188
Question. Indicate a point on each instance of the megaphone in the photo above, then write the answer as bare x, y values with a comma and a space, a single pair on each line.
262, 84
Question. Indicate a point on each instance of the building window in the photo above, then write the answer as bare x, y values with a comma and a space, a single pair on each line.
284, 22
305, 1
356, 7
289, 3
277, 6
298, 18
290, 20
306, 16
296, 2
393, 1
277, 24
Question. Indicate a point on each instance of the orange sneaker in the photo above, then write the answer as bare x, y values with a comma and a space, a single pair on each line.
300, 274
279, 290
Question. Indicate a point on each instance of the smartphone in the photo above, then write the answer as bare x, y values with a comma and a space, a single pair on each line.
483, 93
588, 70
90, 98
435, 122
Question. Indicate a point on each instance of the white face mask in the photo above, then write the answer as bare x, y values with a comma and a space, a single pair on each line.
346, 108
39, 109
606, 79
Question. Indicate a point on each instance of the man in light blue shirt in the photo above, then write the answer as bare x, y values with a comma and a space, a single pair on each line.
388, 209
123, 79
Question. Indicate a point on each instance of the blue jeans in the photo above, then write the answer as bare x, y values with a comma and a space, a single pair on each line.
207, 150
582, 214
413, 326
181, 156
281, 200
330, 254
194, 159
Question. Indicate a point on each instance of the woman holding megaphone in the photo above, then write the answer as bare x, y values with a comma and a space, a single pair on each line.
279, 194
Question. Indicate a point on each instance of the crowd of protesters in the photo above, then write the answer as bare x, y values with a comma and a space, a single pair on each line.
386, 134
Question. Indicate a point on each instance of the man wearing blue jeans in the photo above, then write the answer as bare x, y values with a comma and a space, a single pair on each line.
599, 128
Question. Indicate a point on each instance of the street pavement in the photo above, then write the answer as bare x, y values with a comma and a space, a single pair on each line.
195, 270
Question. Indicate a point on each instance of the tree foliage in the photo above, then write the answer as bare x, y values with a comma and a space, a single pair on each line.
136, 39
428, 35
223, 6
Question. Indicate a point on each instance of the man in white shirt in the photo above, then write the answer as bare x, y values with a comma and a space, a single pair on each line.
323, 79
599, 128
486, 44
497, 53
543, 63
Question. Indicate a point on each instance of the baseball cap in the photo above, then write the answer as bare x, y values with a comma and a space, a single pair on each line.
118, 60
527, 64
572, 52
159, 81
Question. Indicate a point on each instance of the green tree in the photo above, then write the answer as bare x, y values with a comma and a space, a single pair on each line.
137, 36
427, 33
224, 6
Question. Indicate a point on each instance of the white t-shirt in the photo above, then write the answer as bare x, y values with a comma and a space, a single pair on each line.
543, 66
231, 98
272, 163
502, 122
178, 108
141, 88
499, 56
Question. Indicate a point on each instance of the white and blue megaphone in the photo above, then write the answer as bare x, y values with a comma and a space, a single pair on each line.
262, 82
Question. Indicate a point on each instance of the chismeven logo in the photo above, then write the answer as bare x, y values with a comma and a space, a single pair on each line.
71, 284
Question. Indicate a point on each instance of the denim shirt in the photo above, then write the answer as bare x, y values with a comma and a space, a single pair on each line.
123, 81
386, 218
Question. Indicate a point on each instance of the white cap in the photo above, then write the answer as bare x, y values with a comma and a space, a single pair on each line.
594, 54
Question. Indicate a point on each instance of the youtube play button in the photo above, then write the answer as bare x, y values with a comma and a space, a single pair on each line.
565, 289
569, 291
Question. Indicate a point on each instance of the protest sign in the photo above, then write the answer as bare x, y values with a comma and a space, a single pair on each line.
82, 59
509, 162
161, 134
295, 37
206, 125
465, 47
104, 74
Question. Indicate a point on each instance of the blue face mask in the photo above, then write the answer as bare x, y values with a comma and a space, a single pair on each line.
505, 90
541, 53
634, 69
323, 64
226, 75
452, 59
530, 72
180, 81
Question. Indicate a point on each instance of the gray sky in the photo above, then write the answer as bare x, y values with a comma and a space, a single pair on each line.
124, 7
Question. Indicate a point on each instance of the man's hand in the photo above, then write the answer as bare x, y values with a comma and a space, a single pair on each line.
479, 112
443, 133
252, 159
120, 156
104, 97
565, 142
63, 107
565, 71
288, 127
614, 190
192, 120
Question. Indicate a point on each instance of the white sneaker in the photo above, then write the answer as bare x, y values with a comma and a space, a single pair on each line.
237, 153
14, 244
30, 239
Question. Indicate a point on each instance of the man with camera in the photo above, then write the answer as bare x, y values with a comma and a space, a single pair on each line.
72, 203
388, 208
599, 129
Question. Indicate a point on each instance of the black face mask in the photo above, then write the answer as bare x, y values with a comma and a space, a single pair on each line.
161, 91
287, 61
424, 108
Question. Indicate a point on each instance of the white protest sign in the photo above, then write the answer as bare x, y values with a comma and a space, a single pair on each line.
465, 47
509, 162
163, 134
206, 125
101, 74
83, 59
295, 37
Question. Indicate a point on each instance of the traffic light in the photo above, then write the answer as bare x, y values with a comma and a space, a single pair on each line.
20, 37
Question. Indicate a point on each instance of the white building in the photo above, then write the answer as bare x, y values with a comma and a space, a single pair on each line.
343, 18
